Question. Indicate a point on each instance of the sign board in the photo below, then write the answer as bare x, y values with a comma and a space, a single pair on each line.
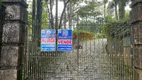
48, 40
64, 40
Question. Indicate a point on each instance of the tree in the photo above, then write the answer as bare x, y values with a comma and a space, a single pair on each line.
121, 5
50, 12
61, 18
52, 19
71, 9
112, 7
45, 16
89, 10
39, 20
36, 20
105, 2
33, 20
90, 17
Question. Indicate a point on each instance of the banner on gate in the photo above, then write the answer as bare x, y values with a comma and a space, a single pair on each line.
64, 40
48, 40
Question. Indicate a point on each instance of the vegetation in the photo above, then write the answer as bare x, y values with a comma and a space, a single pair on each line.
92, 20
117, 26
93, 16
100, 35
83, 35
90, 17
116, 29
118, 6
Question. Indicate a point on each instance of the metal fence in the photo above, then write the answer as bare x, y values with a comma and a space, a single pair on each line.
96, 59
100, 58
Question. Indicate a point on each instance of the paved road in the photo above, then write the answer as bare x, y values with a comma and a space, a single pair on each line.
88, 64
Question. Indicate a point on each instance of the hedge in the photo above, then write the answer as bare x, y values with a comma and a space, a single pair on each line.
83, 35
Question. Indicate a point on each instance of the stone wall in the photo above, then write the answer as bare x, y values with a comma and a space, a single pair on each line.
13, 35
2, 15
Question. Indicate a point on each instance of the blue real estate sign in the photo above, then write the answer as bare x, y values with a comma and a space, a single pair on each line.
48, 38
64, 40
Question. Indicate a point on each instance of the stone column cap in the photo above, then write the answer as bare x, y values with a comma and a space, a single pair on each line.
22, 2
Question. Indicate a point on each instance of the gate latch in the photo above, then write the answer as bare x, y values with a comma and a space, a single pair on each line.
79, 47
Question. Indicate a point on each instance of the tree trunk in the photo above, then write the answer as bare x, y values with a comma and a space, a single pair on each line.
104, 12
56, 24
61, 18
51, 14
39, 23
121, 11
33, 20
116, 12
65, 19
70, 16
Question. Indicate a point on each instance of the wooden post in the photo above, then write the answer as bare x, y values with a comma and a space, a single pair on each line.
13, 38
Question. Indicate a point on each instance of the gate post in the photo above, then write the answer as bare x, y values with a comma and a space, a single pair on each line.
13, 39
136, 27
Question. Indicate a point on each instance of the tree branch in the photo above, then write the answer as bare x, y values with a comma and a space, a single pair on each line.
51, 15
61, 18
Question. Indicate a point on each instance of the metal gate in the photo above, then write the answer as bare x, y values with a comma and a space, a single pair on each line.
95, 59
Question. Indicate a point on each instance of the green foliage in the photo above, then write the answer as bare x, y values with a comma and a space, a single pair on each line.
112, 7
109, 19
92, 26
83, 35
90, 17
116, 29
30, 23
89, 10
99, 35
89, 26
45, 16
127, 17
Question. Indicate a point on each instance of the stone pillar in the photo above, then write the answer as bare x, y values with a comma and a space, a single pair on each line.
13, 39
2, 16
136, 25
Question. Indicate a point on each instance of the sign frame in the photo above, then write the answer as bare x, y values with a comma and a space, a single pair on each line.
65, 40
48, 40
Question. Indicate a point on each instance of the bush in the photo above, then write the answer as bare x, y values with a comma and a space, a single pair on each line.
100, 35
83, 35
